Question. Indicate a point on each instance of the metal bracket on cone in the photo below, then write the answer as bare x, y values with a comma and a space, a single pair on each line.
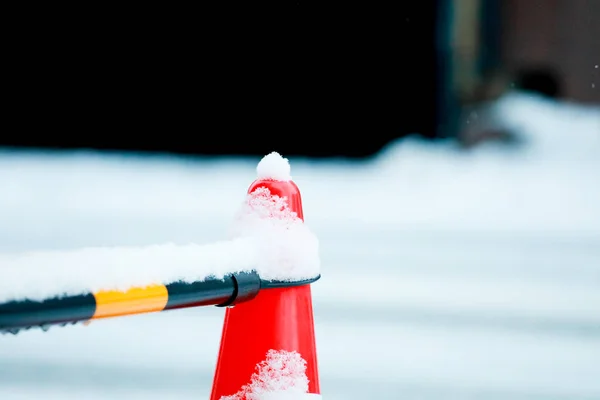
284, 284
247, 286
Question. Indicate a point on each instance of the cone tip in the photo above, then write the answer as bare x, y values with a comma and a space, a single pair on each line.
274, 167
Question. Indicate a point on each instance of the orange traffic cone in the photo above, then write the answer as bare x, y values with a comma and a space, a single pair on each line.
276, 320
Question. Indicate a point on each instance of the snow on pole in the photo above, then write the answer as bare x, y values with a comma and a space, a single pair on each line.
270, 247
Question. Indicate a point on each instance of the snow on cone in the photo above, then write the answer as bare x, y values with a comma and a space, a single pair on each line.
278, 324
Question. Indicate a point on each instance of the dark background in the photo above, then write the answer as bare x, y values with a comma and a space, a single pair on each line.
306, 81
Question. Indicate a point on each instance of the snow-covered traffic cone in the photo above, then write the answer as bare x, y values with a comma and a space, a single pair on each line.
277, 325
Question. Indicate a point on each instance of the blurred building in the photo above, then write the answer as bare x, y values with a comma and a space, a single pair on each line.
557, 37
562, 35
313, 82
489, 47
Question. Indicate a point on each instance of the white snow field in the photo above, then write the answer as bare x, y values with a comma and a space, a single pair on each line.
445, 275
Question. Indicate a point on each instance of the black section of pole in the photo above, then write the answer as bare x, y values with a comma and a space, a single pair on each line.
209, 292
17, 315
220, 292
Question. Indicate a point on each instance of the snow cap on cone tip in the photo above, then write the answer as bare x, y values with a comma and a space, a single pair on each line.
274, 167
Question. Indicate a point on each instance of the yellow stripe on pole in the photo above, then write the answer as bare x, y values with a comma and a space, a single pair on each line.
113, 303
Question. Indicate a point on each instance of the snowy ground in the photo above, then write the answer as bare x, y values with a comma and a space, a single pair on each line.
445, 276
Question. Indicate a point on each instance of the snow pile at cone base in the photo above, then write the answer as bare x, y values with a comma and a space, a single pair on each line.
274, 166
266, 237
282, 376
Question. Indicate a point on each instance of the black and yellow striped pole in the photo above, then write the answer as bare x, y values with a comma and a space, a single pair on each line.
232, 289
